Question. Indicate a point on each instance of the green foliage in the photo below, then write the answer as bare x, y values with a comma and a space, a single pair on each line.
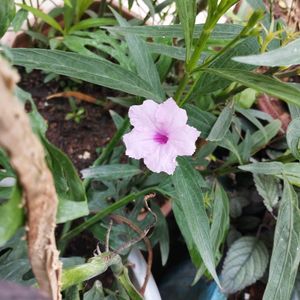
261, 83
284, 56
7, 13
187, 184
11, 215
233, 182
84, 68
285, 254
245, 263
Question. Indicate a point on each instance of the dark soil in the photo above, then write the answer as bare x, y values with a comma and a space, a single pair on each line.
79, 141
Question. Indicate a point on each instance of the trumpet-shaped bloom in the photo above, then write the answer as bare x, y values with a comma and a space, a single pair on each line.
160, 134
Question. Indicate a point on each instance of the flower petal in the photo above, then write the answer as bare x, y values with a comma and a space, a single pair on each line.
169, 115
183, 140
143, 116
162, 159
139, 143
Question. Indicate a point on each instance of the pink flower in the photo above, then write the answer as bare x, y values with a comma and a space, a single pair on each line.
160, 134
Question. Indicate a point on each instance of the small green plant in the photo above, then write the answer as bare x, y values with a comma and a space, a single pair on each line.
77, 113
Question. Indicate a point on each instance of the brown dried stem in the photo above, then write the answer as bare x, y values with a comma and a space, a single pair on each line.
28, 159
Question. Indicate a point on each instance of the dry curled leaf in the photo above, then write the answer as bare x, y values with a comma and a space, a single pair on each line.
28, 159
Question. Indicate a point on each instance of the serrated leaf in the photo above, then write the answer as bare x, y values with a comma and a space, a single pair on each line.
293, 137
111, 172
144, 63
268, 188
222, 124
84, 68
186, 181
245, 263
284, 56
286, 248
259, 82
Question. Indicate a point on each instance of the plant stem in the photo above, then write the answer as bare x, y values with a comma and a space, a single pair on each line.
103, 213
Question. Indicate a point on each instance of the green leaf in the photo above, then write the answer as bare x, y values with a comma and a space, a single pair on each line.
220, 32
201, 120
82, 41
19, 19
293, 136
285, 255
294, 110
188, 188
150, 6
222, 124
259, 82
69, 187
95, 293
7, 13
171, 51
284, 56
142, 58
208, 83
111, 172
95, 266
245, 263
258, 138
186, 233
289, 170
187, 14
11, 215
44, 17
92, 22
84, 68
265, 168
268, 188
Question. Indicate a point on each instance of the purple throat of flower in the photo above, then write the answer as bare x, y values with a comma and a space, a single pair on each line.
160, 138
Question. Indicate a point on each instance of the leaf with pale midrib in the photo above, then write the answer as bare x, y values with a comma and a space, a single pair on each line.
245, 263
286, 248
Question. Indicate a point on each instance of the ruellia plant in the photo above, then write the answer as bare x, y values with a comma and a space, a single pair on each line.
206, 120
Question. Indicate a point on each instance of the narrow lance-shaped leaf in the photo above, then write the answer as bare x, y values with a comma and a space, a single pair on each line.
293, 137
188, 188
11, 215
84, 68
7, 12
222, 124
111, 172
284, 56
286, 248
220, 32
261, 83
187, 15
143, 60
45, 17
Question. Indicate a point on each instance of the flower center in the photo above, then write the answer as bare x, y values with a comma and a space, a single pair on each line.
160, 138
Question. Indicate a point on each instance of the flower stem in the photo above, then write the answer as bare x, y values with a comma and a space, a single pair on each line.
103, 213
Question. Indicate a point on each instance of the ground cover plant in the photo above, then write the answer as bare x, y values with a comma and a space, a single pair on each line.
118, 135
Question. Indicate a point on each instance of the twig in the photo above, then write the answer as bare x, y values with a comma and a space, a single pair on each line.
28, 159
